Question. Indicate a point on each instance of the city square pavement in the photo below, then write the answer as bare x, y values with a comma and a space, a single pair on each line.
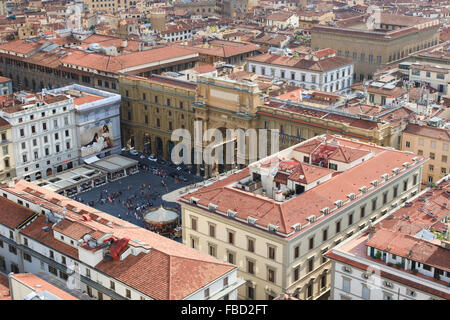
130, 188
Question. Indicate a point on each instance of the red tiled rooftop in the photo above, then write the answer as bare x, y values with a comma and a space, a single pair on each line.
122, 62
288, 213
20, 46
4, 123
428, 131
162, 276
224, 49
281, 177
12, 214
397, 233
387, 275
35, 232
4, 288
72, 230
306, 173
205, 68
78, 101
38, 285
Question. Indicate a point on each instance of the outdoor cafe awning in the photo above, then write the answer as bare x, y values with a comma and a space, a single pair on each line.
91, 159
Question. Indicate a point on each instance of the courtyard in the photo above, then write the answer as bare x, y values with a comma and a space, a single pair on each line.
130, 197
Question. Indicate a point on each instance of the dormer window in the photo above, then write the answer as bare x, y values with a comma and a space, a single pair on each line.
273, 228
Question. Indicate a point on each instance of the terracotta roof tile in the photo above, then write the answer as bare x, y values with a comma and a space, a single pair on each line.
33, 281
288, 213
306, 173
148, 273
428, 131
13, 214
121, 62
4, 288
73, 230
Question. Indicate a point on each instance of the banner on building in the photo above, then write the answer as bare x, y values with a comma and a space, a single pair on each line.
96, 137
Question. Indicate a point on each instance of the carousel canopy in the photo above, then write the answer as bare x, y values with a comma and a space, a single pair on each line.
160, 216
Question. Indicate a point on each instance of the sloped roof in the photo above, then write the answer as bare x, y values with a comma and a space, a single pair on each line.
161, 273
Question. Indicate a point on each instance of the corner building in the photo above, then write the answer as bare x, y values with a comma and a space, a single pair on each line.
276, 218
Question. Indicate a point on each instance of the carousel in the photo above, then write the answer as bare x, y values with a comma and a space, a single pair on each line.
164, 221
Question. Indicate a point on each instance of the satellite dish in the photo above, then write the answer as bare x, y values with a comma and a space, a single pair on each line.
87, 237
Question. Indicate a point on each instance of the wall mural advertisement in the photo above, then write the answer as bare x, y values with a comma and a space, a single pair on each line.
96, 137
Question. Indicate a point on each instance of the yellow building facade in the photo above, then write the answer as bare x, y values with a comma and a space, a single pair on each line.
429, 142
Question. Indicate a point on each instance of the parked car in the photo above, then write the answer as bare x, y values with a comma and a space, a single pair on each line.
152, 158
133, 152
182, 178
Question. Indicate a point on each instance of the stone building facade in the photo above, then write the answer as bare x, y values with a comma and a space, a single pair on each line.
377, 49
152, 108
